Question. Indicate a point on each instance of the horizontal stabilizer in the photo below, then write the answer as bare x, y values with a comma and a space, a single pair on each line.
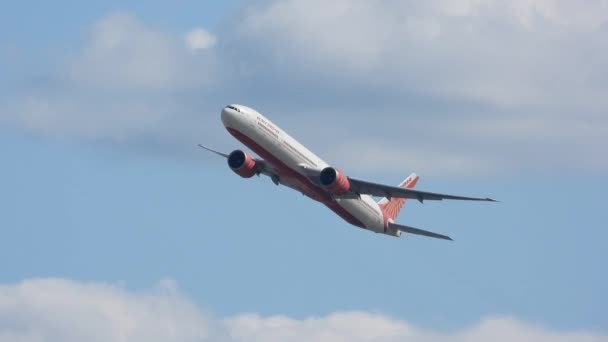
417, 231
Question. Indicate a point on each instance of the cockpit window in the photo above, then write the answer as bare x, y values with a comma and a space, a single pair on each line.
233, 107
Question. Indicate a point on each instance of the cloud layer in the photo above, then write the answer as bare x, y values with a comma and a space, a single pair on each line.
66, 310
515, 86
459, 87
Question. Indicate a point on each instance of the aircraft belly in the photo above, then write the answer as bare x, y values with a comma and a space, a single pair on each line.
286, 163
370, 217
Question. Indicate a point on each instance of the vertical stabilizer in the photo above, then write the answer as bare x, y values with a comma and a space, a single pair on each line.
393, 206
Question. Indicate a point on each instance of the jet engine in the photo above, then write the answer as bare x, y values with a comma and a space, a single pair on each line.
242, 164
334, 181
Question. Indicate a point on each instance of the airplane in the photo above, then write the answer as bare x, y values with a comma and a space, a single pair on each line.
289, 163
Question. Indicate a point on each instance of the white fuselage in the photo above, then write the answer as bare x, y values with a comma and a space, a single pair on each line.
289, 158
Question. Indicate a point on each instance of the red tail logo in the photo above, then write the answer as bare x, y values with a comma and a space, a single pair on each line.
392, 208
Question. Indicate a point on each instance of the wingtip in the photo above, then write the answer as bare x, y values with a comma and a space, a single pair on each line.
212, 150
491, 200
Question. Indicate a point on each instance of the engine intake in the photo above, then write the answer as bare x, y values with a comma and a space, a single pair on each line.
334, 181
242, 164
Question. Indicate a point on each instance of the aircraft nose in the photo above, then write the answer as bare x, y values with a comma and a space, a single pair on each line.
228, 115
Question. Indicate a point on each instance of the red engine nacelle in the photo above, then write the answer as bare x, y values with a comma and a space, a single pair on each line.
242, 164
334, 181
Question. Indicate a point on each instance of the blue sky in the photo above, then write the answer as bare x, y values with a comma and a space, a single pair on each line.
102, 183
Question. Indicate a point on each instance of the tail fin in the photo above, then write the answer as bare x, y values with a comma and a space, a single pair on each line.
393, 206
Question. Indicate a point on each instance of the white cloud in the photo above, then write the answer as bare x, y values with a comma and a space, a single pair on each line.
442, 86
374, 156
65, 310
199, 39
511, 86
504, 53
124, 84
122, 53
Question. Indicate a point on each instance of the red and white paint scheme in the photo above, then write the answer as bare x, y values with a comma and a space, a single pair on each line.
289, 163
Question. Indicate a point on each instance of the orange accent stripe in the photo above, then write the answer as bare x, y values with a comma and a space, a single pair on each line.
394, 206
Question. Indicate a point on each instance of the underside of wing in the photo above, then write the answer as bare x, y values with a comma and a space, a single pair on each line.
364, 187
412, 230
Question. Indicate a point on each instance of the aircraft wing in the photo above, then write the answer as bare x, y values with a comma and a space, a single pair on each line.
214, 151
381, 190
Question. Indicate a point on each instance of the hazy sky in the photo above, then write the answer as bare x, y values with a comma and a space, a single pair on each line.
115, 227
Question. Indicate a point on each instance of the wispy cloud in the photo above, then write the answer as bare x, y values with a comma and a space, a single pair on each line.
65, 310
124, 84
